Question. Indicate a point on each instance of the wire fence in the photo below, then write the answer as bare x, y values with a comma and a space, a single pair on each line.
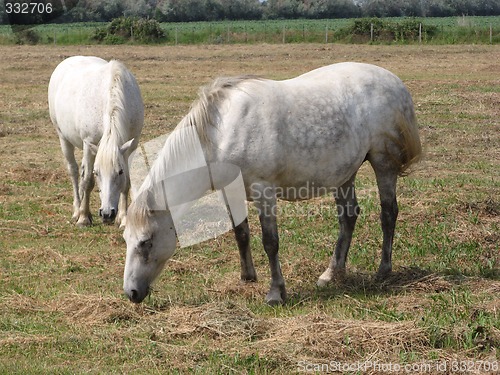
451, 30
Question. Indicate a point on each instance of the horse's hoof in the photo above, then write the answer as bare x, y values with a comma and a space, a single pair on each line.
276, 297
121, 223
337, 274
382, 276
325, 278
83, 222
252, 278
274, 302
321, 283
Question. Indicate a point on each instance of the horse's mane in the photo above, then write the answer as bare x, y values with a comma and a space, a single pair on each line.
114, 114
180, 151
204, 111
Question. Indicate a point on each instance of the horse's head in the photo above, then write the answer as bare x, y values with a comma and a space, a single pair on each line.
112, 176
151, 241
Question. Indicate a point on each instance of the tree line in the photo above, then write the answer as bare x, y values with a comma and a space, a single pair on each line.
215, 10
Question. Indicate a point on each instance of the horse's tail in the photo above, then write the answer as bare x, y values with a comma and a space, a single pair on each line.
409, 141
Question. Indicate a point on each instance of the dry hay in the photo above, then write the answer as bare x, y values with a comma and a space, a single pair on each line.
92, 310
315, 337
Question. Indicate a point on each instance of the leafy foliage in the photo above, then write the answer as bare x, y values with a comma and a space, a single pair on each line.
388, 30
28, 36
124, 29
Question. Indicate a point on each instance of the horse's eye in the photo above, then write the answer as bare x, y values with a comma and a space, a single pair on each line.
96, 173
120, 172
143, 249
146, 244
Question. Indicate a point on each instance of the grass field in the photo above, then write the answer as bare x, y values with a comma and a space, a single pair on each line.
61, 305
448, 30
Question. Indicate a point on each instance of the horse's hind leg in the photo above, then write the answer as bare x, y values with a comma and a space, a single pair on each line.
386, 181
348, 211
69, 154
242, 234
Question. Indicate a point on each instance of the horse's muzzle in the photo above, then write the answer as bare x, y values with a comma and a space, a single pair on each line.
108, 215
137, 295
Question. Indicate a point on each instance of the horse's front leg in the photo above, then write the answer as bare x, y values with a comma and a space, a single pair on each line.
122, 207
86, 185
242, 234
69, 154
267, 206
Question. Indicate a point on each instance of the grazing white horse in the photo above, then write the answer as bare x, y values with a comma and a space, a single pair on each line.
97, 106
307, 134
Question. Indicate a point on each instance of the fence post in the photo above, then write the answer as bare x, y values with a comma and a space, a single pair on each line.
326, 33
284, 34
491, 33
371, 32
176, 36
420, 33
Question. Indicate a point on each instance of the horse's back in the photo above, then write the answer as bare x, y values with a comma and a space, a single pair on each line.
317, 128
71, 69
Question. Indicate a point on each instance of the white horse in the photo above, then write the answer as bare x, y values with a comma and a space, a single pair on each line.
309, 133
92, 101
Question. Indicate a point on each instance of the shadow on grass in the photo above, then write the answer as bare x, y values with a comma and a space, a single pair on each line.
408, 279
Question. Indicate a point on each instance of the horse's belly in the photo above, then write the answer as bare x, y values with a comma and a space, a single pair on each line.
78, 119
308, 190
75, 129
307, 186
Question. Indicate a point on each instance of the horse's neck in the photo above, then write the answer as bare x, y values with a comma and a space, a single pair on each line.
180, 174
182, 152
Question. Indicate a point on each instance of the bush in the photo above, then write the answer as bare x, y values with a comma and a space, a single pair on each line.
29, 36
148, 31
386, 30
125, 29
114, 39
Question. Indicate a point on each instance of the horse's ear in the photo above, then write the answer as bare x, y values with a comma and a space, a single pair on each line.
93, 148
126, 146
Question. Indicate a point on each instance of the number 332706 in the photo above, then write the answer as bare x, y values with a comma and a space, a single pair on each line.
28, 8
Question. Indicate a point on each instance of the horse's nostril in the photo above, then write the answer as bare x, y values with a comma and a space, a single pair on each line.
108, 215
133, 295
